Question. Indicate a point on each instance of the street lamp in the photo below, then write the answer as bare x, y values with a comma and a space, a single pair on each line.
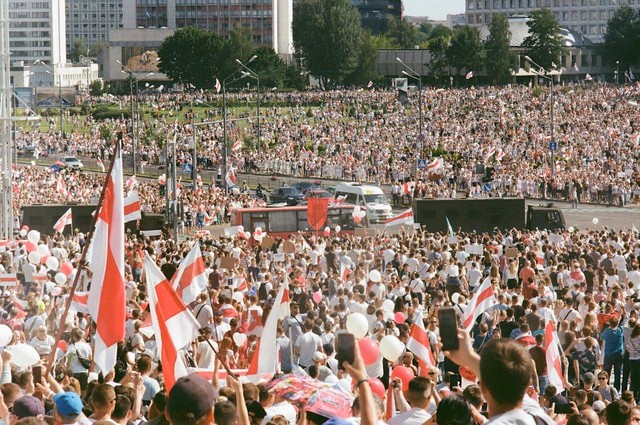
53, 74
134, 119
413, 74
224, 123
617, 71
252, 74
553, 151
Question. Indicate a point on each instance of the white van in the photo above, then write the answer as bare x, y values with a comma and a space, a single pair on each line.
370, 198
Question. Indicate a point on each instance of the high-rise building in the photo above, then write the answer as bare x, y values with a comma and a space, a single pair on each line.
91, 20
37, 31
588, 17
375, 14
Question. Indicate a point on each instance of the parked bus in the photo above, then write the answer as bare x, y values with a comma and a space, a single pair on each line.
280, 222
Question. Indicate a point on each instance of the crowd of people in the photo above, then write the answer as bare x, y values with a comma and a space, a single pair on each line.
368, 135
586, 284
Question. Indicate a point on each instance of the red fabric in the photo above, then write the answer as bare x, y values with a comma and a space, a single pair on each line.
317, 212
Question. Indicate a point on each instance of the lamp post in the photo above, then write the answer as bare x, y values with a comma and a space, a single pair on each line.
61, 105
617, 71
134, 118
224, 124
413, 74
254, 75
550, 78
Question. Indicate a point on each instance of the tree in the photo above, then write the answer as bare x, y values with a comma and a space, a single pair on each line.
240, 46
438, 43
328, 37
366, 70
498, 55
544, 42
78, 48
465, 50
192, 56
269, 67
403, 33
622, 38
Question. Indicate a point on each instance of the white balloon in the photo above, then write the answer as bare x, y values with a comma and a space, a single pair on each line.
239, 339
258, 230
60, 278
23, 233
34, 257
237, 296
327, 229
53, 263
391, 348
43, 250
33, 236
356, 209
338, 228
595, 220
247, 235
375, 276
570, 229
24, 355
241, 229
357, 324
5, 335
362, 214
388, 305
455, 298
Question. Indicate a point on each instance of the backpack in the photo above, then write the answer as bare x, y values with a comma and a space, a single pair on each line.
262, 292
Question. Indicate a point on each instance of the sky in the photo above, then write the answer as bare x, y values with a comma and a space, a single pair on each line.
434, 9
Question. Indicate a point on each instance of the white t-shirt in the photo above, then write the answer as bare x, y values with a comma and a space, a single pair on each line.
414, 416
308, 343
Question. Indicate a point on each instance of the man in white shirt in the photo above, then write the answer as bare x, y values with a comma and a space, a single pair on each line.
418, 396
203, 311
306, 345
634, 277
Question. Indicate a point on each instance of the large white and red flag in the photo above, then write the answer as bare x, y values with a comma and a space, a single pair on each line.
172, 322
481, 301
552, 354
132, 210
61, 188
418, 343
107, 297
79, 302
63, 222
405, 217
265, 357
190, 278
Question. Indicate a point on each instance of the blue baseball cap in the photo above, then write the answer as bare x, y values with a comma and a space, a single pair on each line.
68, 404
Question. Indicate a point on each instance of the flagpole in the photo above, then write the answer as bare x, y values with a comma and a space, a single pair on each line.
94, 220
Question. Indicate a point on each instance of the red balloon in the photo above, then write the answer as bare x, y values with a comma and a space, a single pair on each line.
30, 246
357, 219
400, 318
25, 228
369, 350
66, 268
326, 233
377, 387
404, 374
44, 259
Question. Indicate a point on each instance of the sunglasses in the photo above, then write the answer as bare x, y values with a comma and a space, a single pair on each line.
602, 377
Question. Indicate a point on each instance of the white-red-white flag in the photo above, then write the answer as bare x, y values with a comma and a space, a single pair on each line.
63, 221
107, 297
230, 178
132, 209
552, 354
131, 182
79, 302
265, 357
8, 279
190, 278
61, 188
218, 86
100, 164
408, 188
237, 145
435, 165
345, 271
469, 75
481, 301
405, 217
418, 343
172, 322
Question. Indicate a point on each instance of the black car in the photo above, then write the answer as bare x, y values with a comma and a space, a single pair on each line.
288, 195
305, 186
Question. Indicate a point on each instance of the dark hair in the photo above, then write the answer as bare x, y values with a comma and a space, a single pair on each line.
473, 395
123, 406
618, 413
504, 360
224, 413
453, 410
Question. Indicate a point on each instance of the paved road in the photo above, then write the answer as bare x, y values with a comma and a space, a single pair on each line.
609, 216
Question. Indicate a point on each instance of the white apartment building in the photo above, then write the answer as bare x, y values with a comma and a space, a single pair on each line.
91, 20
37, 31
588, 17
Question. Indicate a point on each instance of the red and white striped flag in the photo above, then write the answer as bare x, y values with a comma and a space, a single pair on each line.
481, 301
552, 354
435, 165
237, 145
40, 278
490, 153
344, 272
240, 284
265, 357
190, 278
499, 154
132, 210
106, 301
173, 323
405, 217
370, 84
131, 182
8, 279
230, 178
218, 86
469, 75
418, 343
285, 305
408, 188
61, 188
79, 302
63, 222
100, 164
